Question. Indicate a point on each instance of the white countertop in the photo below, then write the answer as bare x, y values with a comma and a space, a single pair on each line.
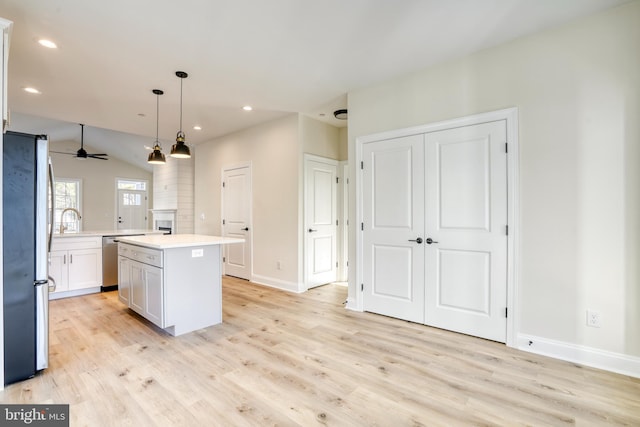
100, 233
168, 241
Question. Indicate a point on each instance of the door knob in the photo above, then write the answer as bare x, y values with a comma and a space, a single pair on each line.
418, 240
245, 229
311, 230
430, 241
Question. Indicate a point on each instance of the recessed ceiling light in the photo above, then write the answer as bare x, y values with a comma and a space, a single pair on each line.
247, 108
196, 127
48, 43
31, 90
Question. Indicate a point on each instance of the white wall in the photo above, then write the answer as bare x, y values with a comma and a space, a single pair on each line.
98, 177
319, 138
577, 88
273, 150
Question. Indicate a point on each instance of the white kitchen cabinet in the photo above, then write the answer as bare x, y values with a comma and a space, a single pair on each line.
145, 282
76, 266
124, 280
58, 270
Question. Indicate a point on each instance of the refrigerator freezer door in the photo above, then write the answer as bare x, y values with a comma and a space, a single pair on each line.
42, 326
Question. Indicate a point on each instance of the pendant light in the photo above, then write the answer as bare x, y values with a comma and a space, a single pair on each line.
156, 157
180, 149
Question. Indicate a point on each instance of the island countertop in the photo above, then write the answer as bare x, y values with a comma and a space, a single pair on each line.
169, 241
102, 233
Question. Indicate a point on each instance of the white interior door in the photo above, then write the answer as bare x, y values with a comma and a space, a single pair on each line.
321, 212
393, 224
466, 217
132, 209
236, 205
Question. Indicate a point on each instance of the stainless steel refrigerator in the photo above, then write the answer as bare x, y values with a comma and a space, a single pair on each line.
26, 195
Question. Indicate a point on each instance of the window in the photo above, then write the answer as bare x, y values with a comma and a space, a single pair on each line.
68, 193
126, 184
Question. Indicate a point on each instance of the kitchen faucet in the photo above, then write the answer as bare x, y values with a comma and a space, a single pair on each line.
62, 227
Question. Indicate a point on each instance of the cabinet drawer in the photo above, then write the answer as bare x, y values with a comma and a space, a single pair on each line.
140, 254
71, 243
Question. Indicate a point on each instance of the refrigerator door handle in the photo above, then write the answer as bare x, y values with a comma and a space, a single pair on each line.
52, 188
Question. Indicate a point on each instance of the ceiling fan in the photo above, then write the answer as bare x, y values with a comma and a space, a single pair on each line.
82, 153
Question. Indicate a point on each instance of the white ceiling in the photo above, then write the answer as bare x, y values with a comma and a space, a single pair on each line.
280, 56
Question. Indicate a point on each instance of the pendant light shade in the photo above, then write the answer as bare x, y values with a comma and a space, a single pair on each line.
180, 150
156, 157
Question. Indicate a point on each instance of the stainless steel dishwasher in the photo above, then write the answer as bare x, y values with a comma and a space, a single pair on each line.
110, 262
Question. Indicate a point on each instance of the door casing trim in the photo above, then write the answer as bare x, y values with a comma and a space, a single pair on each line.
510, 115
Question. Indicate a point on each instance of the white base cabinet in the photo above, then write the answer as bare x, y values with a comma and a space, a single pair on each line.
177, 289
75, 264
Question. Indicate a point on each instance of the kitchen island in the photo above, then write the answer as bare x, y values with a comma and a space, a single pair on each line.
174, 281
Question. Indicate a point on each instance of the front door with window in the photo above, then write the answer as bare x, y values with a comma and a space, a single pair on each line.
132, 209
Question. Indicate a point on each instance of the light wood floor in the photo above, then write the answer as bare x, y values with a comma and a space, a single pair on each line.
286, 359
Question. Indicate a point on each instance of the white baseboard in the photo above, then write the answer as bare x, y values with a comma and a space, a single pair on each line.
596, 358
277, 283
75, 293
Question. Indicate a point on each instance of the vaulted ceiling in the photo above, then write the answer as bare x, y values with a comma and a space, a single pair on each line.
279, 56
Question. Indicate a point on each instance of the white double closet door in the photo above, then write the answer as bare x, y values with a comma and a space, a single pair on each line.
435, 229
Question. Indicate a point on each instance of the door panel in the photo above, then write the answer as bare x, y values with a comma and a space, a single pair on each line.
466, 216
236, 203
393, 215
321, 213
132, 209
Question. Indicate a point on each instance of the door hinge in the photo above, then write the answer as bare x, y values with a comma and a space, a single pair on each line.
506, 229
362, 287
337, 180
336, 222
506, 312
223, 184
347, 264
336, 264
362, 226
224, 259
361, 165
506, 147
223, 222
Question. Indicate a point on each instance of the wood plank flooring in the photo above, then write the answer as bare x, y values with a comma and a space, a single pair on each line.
303, 360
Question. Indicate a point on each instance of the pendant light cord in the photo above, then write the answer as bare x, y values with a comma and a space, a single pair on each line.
157, 116
181, 79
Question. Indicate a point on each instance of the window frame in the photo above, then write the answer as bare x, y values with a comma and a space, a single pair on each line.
74, 226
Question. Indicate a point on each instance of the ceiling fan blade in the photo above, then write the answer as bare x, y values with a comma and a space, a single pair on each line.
60, 152
94, 156
98, 154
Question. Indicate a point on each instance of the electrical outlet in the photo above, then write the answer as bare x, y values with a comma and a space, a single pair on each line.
593, 319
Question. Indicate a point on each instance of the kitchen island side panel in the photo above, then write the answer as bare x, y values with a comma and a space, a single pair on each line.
192, 288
